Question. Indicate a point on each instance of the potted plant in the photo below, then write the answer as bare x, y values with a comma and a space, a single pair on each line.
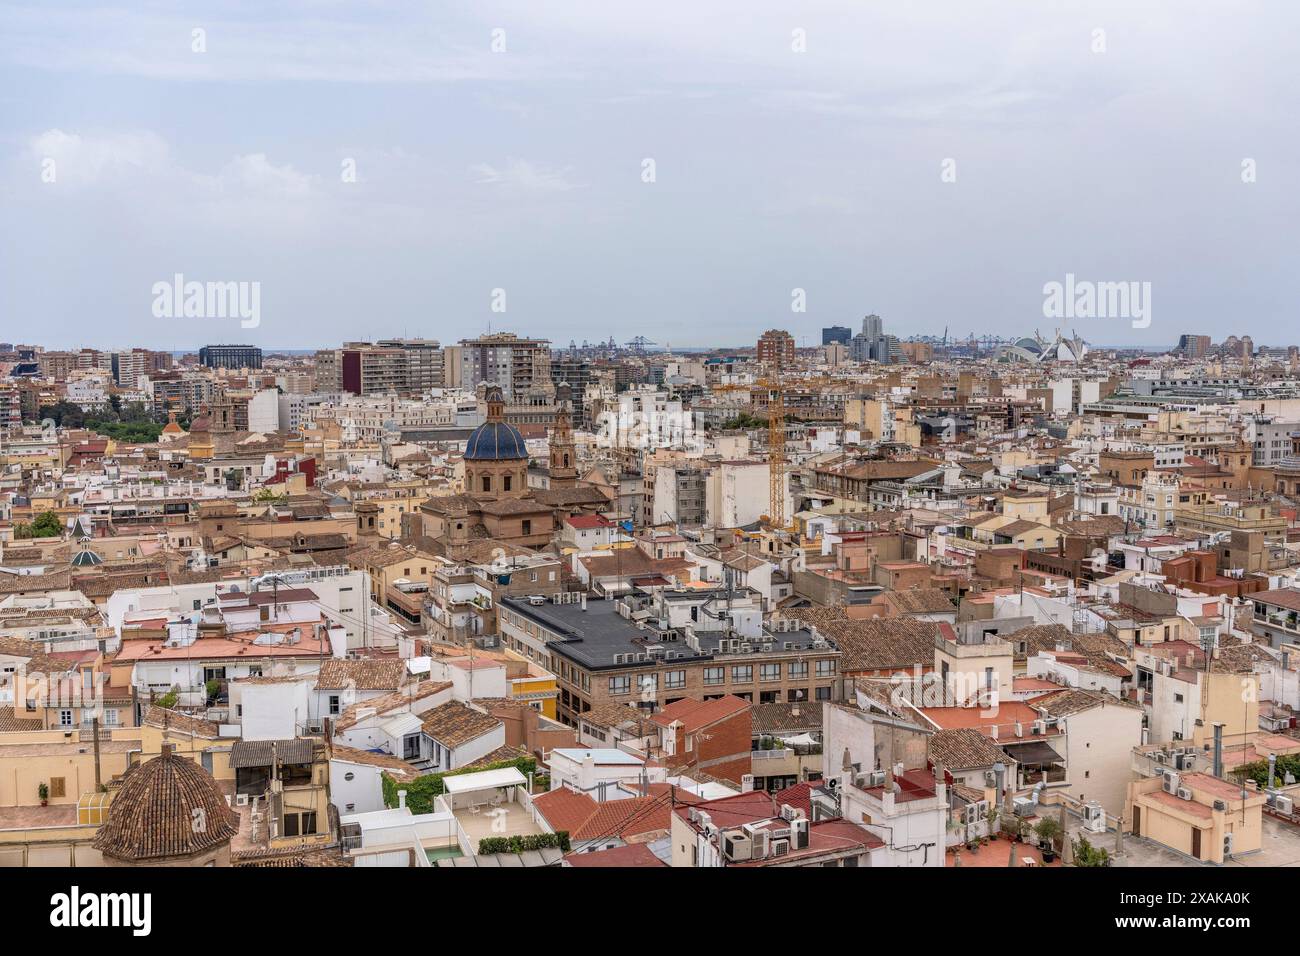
993, 822
43, 791
1048, 831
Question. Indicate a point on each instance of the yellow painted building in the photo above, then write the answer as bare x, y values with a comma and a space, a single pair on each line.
1196, 814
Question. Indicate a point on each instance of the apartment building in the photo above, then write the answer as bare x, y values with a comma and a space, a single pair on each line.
638, 651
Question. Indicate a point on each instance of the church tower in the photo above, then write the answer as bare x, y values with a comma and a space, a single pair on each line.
563, 469
496, 457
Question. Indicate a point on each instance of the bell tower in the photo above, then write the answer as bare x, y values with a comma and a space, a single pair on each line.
563, 469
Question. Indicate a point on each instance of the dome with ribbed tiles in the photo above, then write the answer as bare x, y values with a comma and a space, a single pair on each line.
496, 439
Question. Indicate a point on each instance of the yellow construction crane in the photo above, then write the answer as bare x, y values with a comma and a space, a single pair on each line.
776, 451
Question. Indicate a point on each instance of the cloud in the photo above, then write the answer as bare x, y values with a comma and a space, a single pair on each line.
521, 176
97, 159
257, 175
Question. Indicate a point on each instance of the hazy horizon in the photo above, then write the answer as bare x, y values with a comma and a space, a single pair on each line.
383, 170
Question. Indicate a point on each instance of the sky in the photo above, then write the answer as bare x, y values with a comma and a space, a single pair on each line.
693, 173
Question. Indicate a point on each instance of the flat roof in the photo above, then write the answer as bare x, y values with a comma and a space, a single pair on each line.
604, 755
484, 780
592, 637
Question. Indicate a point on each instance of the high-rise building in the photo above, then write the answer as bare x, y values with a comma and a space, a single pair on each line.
424, 363
1193, 346
518, 365
871, 344
576, 373
129, 367
231, 356
368, 369
776, 347
400, 366
836, 333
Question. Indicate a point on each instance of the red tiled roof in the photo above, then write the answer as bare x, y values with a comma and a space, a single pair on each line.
694, 714
632, 855
565, 809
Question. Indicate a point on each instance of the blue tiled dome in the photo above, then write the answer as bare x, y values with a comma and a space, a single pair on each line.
495, 441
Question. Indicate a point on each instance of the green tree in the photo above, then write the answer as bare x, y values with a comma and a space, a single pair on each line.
46, 525
1085, 854
64, 414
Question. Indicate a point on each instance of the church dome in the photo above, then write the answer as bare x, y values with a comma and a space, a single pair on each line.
496, 439
167, 807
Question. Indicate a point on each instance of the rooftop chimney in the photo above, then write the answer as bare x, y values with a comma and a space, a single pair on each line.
401, 799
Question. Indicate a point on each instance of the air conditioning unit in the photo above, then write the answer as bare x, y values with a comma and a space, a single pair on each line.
1170, 782
1184, 793
876, 778
789, 813
1162, 757
780, 847
241, 799
759, 851
1039, 727
1284, 804
799, 830
1094, 818
736, 845
1228, 843
1220, 805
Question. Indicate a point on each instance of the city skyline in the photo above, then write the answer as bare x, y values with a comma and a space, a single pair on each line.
373, 170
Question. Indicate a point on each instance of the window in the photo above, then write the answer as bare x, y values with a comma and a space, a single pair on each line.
487, 482
334, 705
742, 674
505, 483
527, 528
822, 693
798, 669
291, 824
769, 672
648, 684
58, 787
713, 675
825, 668
309, 823
65, 718
620, 685
675, 680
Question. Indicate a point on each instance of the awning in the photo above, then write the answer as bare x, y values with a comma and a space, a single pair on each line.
1033, 752
257, 753
484, 780
402, 725
799, 740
